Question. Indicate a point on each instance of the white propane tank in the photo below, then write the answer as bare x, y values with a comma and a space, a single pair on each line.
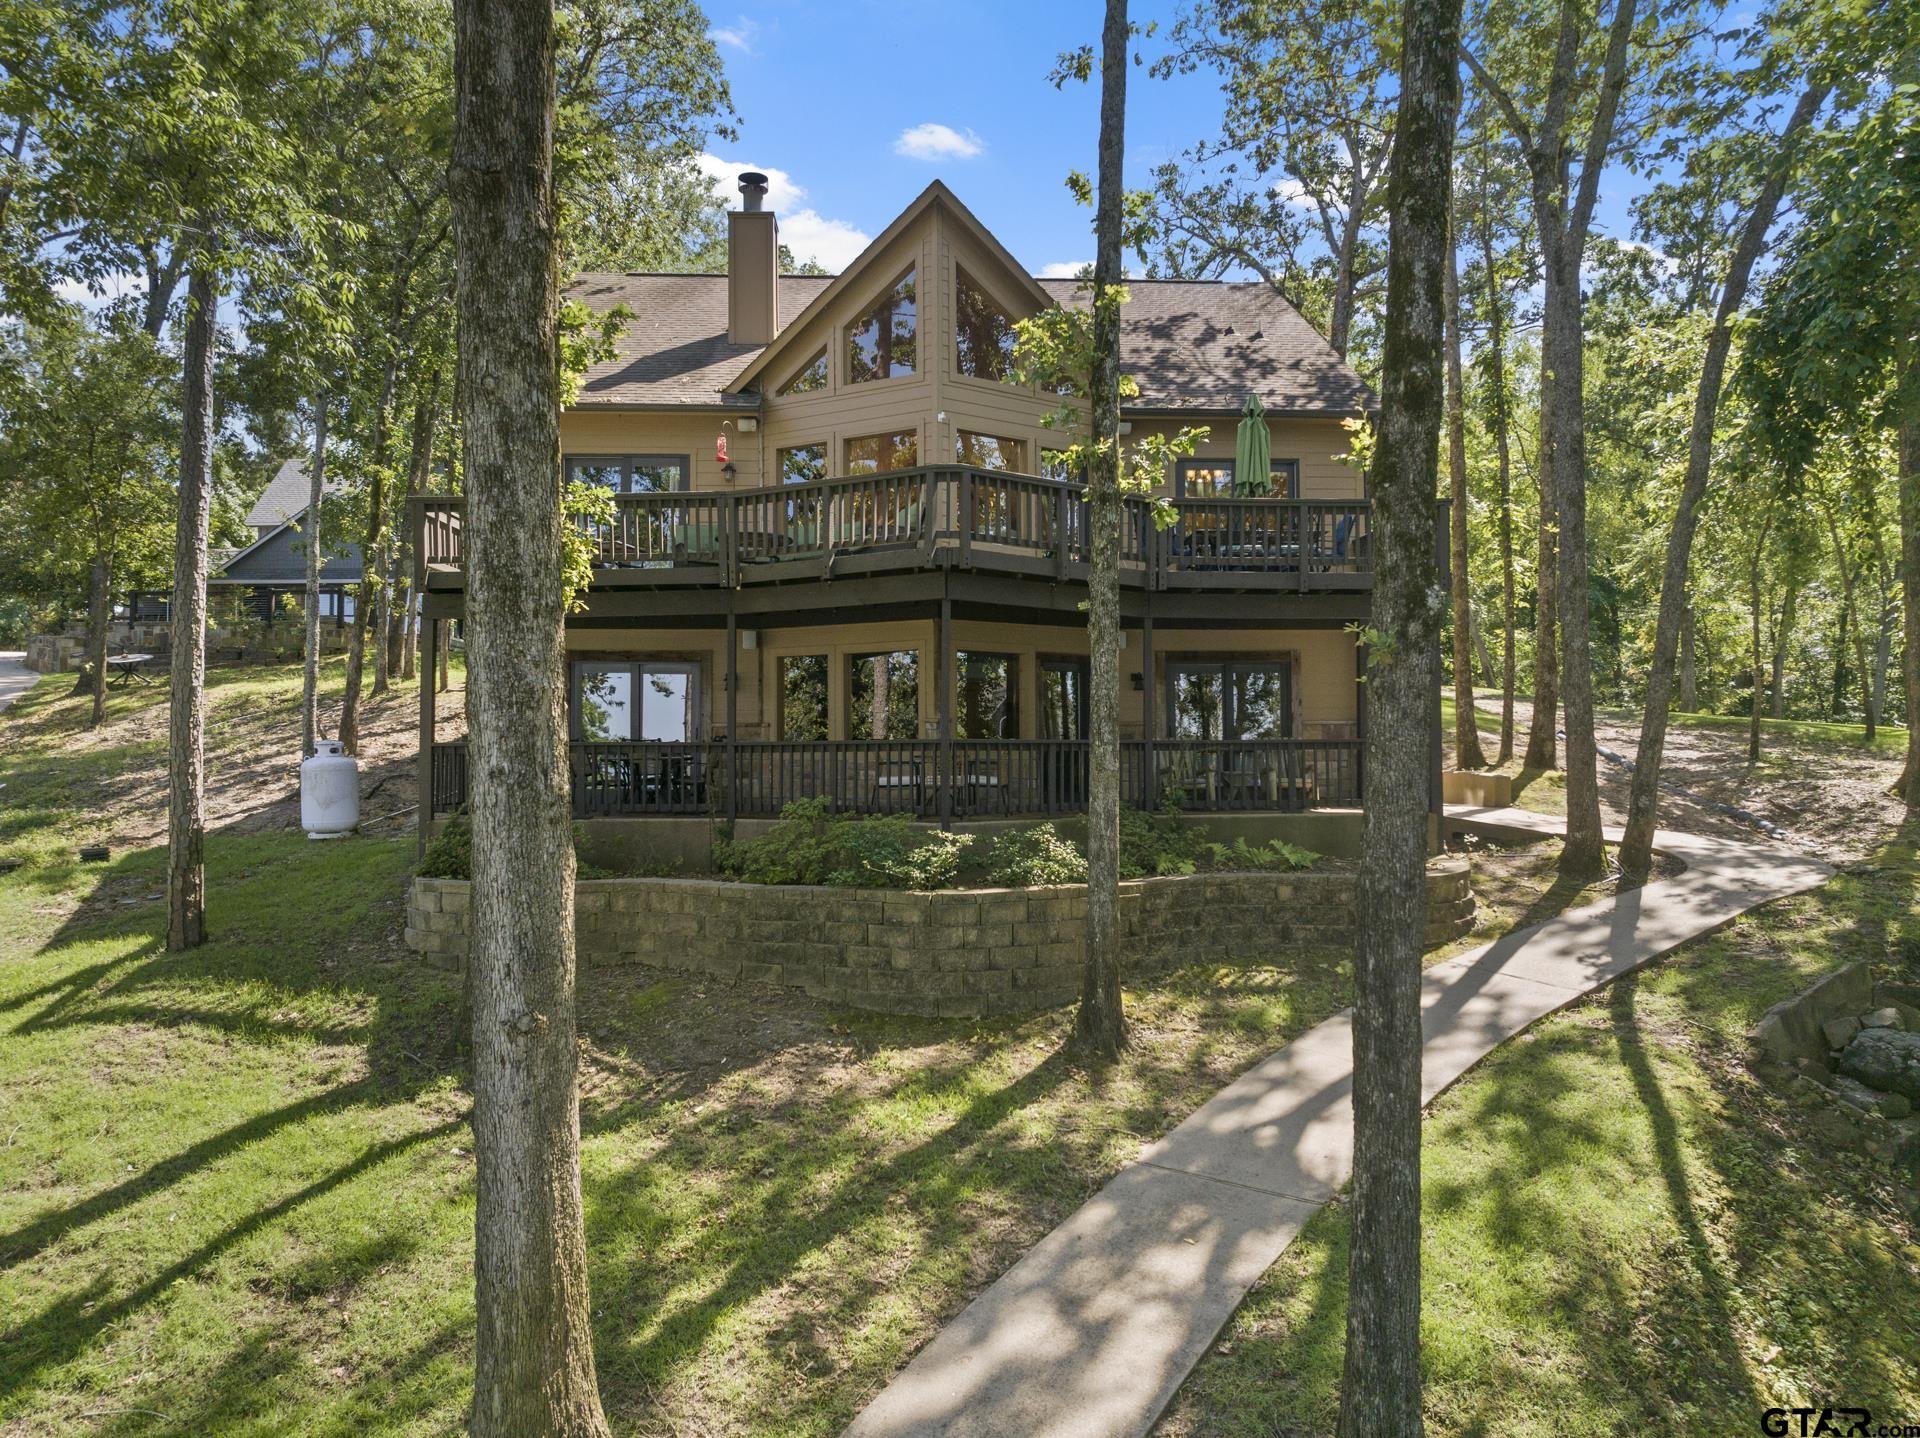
329, 792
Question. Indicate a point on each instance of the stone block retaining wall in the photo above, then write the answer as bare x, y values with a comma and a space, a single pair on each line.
957, 952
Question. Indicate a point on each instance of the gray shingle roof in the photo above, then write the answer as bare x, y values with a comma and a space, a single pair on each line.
675, 351
1191, 344
1203, 344
285, 496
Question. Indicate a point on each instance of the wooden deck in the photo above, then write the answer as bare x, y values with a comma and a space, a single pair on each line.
967, 519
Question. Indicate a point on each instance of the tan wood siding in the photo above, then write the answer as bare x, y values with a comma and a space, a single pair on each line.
1325, 692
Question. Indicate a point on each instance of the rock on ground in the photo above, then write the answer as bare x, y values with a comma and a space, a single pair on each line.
1887, 1059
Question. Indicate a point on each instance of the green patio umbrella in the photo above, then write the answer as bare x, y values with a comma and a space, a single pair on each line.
1252, 451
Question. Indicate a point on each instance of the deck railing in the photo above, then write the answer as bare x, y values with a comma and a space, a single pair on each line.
974, 518
925, 779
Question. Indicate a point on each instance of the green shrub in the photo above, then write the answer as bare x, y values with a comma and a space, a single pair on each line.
450, 855
811, 845
1154, 844
1275, 854
1038, 855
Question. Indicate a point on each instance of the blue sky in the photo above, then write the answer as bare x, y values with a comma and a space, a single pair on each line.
853, 152
853, 107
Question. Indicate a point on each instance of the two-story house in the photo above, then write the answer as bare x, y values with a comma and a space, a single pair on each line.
844, 562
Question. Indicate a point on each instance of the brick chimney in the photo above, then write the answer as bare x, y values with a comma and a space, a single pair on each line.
753, 265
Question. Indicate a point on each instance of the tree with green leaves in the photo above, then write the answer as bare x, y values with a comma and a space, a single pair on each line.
194, 141
1380, 1389
1466, 725
1546, 77
86, 437
1636, 851
1839, 332
1293, 187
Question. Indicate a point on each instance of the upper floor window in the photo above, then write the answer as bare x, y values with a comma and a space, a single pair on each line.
803, 463
812, 377
885, 341
983, 332
631, 473
1053, 465
873, 453
987, 451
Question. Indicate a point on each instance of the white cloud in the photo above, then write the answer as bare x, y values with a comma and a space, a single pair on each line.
739, 35
803, 229
933, 141
1063, 269
109, 287
1291, 192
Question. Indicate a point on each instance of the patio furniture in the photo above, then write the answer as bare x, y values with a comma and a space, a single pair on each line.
891, 779
125, 669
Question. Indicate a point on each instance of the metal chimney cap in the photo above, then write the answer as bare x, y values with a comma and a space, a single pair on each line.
753, 189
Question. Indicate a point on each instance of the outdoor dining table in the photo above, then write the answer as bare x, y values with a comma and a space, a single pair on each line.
127, 669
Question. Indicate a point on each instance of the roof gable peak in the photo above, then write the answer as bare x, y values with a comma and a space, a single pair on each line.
935, 195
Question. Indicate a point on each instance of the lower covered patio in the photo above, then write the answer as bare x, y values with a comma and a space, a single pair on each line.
948, 699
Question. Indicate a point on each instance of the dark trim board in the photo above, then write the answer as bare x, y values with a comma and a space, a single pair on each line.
917, 595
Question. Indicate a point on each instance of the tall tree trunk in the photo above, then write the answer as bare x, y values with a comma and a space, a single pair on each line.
1380, 1390
99, 616
186, 724
1564, 463
1100, 1025
1909, 786
1543, 744
419, 470
1783, 636
1689, 669
1636, 849
1753, 617
1467, 753
443, 641
533, 1354
310, 536
1837, 707
1497, 382
1850, 606
1883, 643
1489, 676
366, 599
382, 622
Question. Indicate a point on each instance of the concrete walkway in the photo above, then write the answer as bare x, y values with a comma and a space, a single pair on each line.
15, 678
1092, 1332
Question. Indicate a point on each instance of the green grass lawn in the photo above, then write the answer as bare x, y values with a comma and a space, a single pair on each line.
236, 1184
1887, 739
1624, 1233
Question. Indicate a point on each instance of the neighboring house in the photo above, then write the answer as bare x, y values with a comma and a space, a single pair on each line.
843, 563
275, 563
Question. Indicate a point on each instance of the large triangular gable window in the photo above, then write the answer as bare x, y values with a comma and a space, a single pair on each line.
983, 333
811, 379
885, 342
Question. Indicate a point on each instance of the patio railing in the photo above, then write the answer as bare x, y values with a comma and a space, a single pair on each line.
970, 518
925, 779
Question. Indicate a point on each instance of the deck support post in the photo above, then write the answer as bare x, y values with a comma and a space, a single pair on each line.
424, 807
733, 708
1360, 721
943, 692
1150, 779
